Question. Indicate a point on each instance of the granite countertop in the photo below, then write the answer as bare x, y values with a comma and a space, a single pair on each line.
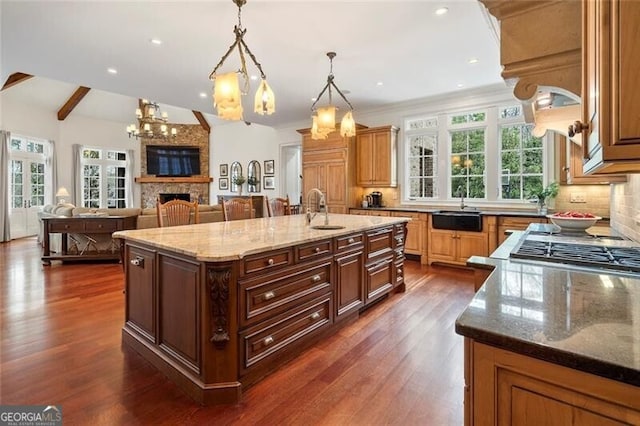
223, 241
484, 212
577, 317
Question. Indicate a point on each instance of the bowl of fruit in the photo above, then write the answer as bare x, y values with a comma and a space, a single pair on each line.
574, 221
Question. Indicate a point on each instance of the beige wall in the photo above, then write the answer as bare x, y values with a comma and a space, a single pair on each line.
625, 207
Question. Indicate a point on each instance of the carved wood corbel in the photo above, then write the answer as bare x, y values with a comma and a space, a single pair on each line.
218, 283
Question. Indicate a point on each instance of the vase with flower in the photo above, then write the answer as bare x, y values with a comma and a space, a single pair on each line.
238, 181
541, 196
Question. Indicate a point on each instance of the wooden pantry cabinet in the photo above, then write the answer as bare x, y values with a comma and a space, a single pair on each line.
610, 125
376, 153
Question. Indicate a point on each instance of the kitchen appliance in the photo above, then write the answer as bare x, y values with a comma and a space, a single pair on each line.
376, 199
585, 250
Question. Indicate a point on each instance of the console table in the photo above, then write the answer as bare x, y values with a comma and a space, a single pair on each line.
87, 226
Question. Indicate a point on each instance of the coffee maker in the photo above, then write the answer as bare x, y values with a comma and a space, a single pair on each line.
376, 199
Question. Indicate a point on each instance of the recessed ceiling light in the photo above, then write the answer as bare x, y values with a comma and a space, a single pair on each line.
112, 71
473, 60
314, 99
441, 11
254, 77
379, 83
460, 85
346, 92
156, 41
203, 95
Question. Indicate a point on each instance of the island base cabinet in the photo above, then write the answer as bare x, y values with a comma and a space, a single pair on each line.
140, 273
506, 388
379, 278
349, 290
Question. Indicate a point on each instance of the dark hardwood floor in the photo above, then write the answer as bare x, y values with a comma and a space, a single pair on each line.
400, 364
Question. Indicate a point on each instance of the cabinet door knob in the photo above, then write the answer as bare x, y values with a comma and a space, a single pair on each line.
315, 278
317, 249
270, 261
399, 271
267, 340
315, 315
577, 127
351, 240
137, 261
269, 295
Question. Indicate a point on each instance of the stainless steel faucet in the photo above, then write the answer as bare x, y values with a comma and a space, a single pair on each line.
460, 191
321, 204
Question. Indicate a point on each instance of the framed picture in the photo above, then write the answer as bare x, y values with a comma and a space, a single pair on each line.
223, 183
269, 167
224, 170
269, 182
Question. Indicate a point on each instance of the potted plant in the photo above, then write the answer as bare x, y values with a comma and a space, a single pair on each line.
238, 180
550, 191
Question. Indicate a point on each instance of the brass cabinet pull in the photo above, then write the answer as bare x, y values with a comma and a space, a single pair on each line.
270, 261
399, 271
315, 315
267, 340
317, 249
268, 295
577, 127
316, 278
351, 240
137, 261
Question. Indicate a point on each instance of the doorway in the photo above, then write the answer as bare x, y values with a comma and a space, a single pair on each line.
291, 161
27, 185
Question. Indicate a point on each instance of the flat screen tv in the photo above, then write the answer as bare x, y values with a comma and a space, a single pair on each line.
168, 160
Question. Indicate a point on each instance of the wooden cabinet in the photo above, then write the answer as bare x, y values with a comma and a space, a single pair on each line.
329, 165
571, 167
515, 223
455, 247
349, 290
415, 242
506, 388
610, 86
376, 152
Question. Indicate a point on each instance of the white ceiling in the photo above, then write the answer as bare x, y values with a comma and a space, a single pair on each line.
403, 44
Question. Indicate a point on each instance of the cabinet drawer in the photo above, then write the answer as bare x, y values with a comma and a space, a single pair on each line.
67, 226
382, 213
266, 341
274, 294
265, 261
313, 250
412, 215
349, 242
380, 278
399, 273
519, 221
380, 242
110, 225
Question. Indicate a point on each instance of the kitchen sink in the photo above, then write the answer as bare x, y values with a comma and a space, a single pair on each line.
457, 220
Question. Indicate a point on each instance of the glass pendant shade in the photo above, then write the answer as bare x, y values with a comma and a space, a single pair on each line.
227, 96
348, 125
265, 102
327, 118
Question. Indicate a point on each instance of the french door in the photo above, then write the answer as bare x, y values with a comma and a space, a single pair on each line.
26, 194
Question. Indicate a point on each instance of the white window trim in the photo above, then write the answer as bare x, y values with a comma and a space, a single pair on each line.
103, 163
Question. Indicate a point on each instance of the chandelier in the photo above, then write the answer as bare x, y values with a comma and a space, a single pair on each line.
226, 90
149, 116
324, 118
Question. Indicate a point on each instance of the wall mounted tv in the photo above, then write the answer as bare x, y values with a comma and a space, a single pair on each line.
170, 160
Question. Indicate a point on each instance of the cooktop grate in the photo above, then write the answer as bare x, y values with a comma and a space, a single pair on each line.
618, 258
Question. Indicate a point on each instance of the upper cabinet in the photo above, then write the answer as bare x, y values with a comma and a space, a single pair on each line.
611, 89
376, 153
571, 168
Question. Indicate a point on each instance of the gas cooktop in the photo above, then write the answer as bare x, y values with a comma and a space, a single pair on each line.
584, 251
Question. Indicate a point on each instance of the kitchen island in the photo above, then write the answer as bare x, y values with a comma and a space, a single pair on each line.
551, 344
218, 306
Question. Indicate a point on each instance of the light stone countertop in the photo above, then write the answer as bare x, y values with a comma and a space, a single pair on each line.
224, 241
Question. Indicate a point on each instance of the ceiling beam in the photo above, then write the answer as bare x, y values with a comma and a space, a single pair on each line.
202, 120
72, 102
15, 78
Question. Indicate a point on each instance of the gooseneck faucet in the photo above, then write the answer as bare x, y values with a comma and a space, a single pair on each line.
460, 191
321, 204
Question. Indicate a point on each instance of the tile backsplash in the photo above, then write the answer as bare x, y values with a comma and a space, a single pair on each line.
594, 199
625, 207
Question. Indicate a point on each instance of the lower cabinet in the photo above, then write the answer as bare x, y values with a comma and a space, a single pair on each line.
379, 278
456, 246
515, 223
349, 292
416, 238
506, 388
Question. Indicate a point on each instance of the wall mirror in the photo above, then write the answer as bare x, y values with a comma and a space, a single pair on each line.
236, 170
253, 176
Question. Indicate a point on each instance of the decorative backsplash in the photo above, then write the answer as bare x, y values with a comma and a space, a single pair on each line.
625, 207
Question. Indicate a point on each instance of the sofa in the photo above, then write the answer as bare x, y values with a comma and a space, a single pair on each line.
145, 218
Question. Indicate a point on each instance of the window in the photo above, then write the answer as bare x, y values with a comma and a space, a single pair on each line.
27, 172
486, 154
104, 178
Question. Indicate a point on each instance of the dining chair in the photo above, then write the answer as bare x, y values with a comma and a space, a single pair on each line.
279, 207
238, 208
176, 212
